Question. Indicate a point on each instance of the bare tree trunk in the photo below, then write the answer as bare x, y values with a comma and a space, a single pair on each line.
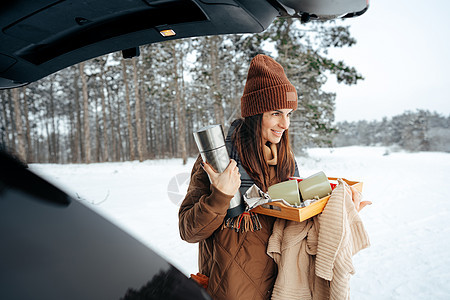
119, 133
12, 141
97, 132
144, 122
137, 107
21, 153
183, 142
54, 155
40, 151
180, 111
161, 133
105, 127
215, 90
78, 143
173, 133
112, 126
49, 143
35, 141
30, 157
155, 135
4, 124
152, 139
87, 132
127, 98
149, 128
167, 137
72, 133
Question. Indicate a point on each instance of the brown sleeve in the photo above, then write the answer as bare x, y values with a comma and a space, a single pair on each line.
203, 209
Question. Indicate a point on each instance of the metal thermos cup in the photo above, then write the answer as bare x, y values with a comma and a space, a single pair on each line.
211, 144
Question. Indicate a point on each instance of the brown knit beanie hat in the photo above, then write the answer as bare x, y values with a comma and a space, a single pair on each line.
267, 88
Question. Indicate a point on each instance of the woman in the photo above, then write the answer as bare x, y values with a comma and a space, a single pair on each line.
236, 262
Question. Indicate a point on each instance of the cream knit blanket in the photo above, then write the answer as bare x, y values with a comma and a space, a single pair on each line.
314, 257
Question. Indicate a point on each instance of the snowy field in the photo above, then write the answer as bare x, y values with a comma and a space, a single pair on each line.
408, 222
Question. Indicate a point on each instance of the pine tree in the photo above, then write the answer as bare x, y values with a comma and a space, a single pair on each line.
301, 50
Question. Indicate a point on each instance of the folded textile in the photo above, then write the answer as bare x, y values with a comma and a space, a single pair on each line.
314, 256
341, 236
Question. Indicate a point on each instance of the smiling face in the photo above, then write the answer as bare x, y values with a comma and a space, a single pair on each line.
274, 123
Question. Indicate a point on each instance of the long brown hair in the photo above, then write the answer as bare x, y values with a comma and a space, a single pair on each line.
248, 141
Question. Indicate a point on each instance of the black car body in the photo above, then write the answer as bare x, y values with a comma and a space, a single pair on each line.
54, 247
40, 37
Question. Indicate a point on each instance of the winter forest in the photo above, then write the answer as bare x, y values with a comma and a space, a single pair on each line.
115, 109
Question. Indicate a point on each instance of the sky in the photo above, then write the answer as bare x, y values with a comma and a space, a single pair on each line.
403, 52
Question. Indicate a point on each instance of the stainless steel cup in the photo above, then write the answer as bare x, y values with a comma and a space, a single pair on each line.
211, 144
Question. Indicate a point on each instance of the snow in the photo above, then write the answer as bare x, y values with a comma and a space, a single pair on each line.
408, 222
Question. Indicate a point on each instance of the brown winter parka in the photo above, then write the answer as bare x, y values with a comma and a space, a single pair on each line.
236, 263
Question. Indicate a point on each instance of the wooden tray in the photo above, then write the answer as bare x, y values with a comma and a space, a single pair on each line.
281, 210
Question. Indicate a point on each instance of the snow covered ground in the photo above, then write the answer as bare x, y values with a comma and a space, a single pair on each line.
408, 222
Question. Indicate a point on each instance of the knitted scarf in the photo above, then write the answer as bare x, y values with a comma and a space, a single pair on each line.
247, 221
